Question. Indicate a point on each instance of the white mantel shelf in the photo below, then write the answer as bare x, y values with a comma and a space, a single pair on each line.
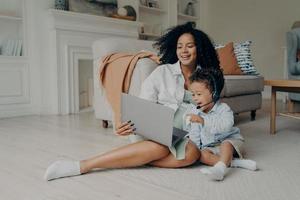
74, 21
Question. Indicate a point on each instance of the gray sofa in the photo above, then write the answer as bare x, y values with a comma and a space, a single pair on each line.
293, 45
242, 92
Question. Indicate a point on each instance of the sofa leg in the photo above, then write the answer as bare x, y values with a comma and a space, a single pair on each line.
104, 123
253, 115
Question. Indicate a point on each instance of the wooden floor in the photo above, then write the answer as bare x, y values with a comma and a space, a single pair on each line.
29, 144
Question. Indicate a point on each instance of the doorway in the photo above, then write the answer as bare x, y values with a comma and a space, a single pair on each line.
86, 89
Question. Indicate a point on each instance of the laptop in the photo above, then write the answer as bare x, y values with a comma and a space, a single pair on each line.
151, 120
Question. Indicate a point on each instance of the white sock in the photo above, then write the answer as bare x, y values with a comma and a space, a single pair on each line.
217, 172
243, 163
62, 168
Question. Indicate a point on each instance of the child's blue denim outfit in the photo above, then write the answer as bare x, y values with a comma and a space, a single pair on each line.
217, 127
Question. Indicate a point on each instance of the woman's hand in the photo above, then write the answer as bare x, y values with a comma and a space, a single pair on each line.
125, 128
196, 119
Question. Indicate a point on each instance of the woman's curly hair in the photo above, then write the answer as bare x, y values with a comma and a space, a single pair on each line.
167, 45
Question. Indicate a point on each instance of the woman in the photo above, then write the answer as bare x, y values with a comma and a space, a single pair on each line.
182, 49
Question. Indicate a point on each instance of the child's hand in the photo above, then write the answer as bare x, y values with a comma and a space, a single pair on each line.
195, 118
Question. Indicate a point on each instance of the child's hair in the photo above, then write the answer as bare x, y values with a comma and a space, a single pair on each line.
213, 78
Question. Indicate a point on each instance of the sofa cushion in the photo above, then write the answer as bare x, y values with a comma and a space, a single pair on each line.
244, 103
228, 61
242, 84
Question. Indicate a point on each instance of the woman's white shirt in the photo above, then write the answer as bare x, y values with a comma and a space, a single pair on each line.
165, 85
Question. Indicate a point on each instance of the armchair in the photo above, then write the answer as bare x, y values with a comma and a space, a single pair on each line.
293, 59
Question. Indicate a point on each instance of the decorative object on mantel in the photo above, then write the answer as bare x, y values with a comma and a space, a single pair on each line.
190, 10
96, 7
126, 12
61, 5
152, 3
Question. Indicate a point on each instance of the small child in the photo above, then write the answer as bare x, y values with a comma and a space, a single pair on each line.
210, 125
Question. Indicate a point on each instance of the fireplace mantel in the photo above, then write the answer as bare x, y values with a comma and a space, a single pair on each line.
73, 21
71, 37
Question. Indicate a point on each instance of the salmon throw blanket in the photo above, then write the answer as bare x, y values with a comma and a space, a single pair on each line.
115, 75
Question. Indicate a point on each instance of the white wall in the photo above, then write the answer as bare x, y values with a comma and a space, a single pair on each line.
264, 22
38, 50
30, 66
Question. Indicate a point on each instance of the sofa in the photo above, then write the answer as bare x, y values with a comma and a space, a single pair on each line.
241, 92
293, 61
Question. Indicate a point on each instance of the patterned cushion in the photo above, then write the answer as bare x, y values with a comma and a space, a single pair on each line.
243, 55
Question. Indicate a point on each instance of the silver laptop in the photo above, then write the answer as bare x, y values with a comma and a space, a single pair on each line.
151, 120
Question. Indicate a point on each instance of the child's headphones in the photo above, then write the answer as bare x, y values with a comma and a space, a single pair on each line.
215, 94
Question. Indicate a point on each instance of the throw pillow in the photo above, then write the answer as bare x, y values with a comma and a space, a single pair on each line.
228, 61
244, 59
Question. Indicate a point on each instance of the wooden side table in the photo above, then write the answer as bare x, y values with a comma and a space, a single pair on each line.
281, 86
